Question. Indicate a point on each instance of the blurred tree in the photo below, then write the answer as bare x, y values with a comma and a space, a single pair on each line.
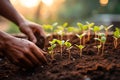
81, 10
77, 10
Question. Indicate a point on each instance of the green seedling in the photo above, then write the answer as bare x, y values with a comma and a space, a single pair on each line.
96, 29
61, 43
65, 25
83, 29
53, 41
80, 37
116, 35
90, 25
51, 48
80, 48
60, 31
71, 30
69, 46
50, 28
107, 29
102, 41
98, 48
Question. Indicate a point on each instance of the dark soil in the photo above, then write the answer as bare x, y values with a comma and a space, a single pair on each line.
91, 66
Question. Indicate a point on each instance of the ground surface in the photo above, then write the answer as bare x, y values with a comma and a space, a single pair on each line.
91, 66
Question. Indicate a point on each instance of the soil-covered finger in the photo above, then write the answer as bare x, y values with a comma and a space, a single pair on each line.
39, 55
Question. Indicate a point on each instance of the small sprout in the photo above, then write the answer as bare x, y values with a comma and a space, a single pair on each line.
90, 25
101, 34
53, 41
96, 29
61, 43
55, 24
98, 48
69, 46
116, 35
81, 36
107, 28
71, 29
81, 49
82, 27
60, 31
48, 28
65, 25
102, 41
51, 50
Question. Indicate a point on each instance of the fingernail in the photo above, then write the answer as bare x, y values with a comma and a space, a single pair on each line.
34, 40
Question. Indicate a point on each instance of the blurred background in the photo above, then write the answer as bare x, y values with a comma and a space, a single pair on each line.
101, 12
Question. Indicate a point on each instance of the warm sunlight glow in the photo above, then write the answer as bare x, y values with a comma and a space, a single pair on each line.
48, 2
29, 3
104, 2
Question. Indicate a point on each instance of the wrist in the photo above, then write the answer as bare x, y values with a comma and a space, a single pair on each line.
21, 21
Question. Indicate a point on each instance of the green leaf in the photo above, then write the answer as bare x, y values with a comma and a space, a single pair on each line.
48, 27
51, 47
70, 29
116, 34
107, 28
53, 41
80, 36
65, 24
55, 24
97, 39
103, 39
85, 27
80, 46
96, 28
90, 24
80, 25
68, 44
60, 42
101, 34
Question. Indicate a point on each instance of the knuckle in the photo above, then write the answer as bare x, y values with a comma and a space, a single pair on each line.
31, 45
26, 49
21, 57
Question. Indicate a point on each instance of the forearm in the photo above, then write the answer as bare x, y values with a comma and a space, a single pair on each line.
9, 12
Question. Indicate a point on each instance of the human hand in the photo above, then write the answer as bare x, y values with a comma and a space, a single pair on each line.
23, 52
32, 30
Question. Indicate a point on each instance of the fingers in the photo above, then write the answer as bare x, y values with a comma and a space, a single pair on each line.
37, 28
38, 53
31, 36
33, 59
20, 59
28, 59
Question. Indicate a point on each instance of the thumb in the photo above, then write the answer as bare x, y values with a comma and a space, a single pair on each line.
31, 36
